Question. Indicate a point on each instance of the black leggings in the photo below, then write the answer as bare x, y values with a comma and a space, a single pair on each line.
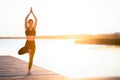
29, 45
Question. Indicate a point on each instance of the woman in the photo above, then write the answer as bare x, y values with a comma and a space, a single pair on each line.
30, 31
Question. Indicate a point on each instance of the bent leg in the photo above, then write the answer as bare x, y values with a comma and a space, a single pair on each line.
23, 50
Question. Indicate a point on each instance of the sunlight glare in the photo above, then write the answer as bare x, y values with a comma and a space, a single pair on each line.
73, 60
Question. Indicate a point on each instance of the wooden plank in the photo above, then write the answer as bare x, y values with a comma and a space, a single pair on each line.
12, 68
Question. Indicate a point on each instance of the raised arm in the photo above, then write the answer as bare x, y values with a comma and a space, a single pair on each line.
26, 21
35, 23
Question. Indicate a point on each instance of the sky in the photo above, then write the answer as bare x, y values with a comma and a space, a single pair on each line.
60, 17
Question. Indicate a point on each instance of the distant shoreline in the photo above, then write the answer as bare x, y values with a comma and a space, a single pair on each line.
106, 39
46, 37
71, 36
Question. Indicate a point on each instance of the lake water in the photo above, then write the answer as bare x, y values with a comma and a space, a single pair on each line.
69, 59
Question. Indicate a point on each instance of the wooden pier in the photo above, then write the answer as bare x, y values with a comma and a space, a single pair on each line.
12, 68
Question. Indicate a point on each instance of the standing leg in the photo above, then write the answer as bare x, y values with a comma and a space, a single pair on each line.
31, 56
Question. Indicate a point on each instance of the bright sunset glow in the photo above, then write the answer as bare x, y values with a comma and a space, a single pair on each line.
76, 61
61, 16
64, 17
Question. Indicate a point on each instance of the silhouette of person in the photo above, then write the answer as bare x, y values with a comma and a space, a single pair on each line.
30, 31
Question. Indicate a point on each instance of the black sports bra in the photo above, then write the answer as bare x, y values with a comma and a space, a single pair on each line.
29, 32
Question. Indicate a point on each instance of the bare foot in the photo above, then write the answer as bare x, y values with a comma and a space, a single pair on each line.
29, 73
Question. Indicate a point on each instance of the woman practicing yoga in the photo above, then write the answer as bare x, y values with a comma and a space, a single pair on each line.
30, 31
